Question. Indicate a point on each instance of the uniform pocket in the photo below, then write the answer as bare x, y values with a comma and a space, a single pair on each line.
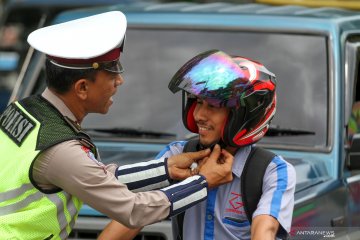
236, 222
238, 227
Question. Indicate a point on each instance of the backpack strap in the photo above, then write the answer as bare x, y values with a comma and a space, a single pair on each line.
177, 221
191, 145
252, 178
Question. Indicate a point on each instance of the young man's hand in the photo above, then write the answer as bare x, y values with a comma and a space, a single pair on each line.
179, 165
217, 168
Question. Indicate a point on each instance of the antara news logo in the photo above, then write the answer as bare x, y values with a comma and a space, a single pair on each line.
311, 233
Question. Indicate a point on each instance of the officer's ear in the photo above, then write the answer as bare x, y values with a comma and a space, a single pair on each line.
81, 88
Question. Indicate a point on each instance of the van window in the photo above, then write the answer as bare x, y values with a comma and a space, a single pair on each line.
352, 95
152, 56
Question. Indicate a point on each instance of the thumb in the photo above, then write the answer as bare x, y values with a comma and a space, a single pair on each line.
202, 162
215, 154
227, 158
199, 155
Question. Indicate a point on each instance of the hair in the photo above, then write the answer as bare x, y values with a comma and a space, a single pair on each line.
61, 79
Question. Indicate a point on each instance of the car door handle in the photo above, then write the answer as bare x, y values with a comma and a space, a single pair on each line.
338, 221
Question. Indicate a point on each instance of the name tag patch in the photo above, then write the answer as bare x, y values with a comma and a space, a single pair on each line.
16, 124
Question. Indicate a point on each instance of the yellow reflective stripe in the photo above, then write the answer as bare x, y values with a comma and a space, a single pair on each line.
70, 212
15, 192
20, 204
60, 213
70, 205
65, 227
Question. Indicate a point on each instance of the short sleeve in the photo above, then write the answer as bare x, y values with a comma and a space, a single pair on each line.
277, 199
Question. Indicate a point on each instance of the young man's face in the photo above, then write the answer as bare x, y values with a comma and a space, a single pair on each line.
210, 121
102, 91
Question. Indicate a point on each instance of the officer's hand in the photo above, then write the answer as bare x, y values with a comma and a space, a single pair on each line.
179, 165
217, 168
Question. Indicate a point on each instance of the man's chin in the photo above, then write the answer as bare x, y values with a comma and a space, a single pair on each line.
207, 144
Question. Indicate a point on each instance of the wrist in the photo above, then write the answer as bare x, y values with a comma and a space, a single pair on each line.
186, 193
167, 170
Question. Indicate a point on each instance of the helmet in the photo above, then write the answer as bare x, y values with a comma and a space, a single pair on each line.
243, 85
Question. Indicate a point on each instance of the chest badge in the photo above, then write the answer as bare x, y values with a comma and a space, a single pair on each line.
235, 203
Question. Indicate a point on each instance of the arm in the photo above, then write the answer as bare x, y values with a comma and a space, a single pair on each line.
117, 231
264, 227
155, 174
69, 167
277, 200
96, 186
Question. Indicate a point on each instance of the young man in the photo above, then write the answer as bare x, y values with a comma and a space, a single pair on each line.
50, 166
230, 100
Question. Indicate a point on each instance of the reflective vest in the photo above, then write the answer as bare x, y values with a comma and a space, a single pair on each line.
27, 128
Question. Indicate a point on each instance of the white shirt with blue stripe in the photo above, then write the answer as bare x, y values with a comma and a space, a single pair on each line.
222, 215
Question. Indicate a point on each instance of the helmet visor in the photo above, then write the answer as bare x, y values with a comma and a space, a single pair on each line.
212, 75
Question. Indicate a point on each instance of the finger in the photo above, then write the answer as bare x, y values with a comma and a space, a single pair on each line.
182, 174
188, 173
227, 157
221, 159
182, 160
226, 154
213, 158
198, 155
215, 154
202, 162
195, 171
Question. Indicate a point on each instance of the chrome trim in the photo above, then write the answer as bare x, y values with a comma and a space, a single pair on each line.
353, 179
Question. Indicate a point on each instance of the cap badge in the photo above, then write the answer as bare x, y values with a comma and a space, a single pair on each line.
95, 65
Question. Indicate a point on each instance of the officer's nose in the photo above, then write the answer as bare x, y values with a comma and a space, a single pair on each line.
119, 80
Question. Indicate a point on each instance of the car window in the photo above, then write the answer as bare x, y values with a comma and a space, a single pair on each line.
352, 94
152, 56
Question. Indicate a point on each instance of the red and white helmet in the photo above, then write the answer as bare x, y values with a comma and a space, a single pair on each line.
243, 85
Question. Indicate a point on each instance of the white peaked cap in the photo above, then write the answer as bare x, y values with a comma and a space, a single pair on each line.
83, 38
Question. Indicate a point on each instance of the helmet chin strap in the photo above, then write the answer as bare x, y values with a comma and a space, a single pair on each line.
211, 146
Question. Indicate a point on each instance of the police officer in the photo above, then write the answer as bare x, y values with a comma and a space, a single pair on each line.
49, 166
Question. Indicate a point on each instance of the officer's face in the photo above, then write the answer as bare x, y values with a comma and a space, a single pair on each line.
210, 121
102, 90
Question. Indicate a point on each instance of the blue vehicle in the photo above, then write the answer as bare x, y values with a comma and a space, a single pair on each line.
315, 54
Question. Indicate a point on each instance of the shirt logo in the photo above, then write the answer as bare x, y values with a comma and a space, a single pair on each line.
235, 203
16, 124
90, 154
